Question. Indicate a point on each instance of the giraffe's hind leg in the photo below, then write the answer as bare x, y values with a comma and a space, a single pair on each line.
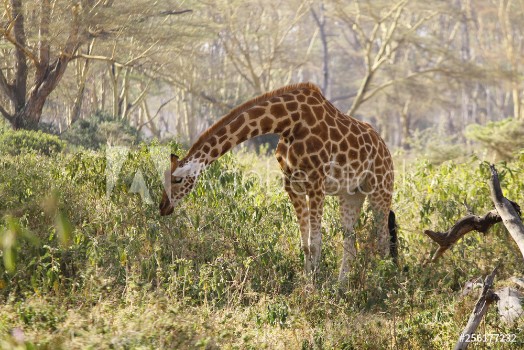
350, 206
380, 204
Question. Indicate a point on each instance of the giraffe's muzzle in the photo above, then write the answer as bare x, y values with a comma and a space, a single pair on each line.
166, 207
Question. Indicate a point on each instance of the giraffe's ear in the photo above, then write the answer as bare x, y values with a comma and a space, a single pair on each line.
174, 162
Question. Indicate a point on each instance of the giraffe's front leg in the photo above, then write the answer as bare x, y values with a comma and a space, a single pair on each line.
299, 201
350, 206
316, 207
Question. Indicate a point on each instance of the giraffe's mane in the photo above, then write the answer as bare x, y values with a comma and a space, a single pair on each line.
226, 119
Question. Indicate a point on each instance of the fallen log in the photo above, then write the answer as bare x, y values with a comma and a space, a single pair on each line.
509, 304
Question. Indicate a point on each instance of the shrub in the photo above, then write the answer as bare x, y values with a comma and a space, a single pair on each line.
432, 145
503, 138
27, 141
100, 130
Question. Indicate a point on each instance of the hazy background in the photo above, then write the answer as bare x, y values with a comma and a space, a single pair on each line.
421, 73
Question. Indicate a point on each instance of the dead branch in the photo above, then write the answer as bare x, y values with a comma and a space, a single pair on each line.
487, 296
171, 12
510, 213
468, 223
508, 299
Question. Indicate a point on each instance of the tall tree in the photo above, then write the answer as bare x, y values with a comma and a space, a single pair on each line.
45, 36
379, 33
26, 94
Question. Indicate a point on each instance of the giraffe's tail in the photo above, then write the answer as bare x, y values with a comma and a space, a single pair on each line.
393, 239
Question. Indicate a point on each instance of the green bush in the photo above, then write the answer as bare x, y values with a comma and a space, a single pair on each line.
503, 138
436, 148
101, 130
28, 141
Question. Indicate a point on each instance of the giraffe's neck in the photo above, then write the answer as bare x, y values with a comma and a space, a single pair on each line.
275, 112
259, 120
274, 115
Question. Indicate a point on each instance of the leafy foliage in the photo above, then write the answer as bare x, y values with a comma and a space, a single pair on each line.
503, 138
101, 130
435, 147
27, 141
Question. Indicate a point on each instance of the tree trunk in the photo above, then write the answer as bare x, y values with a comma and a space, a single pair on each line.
29, 115
505, 9
20, 85
147, 119
405, 121
114, 73
77, 104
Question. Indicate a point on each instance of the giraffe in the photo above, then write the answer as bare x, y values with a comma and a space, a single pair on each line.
321, 151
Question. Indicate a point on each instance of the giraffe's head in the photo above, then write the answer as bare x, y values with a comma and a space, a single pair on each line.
179, 181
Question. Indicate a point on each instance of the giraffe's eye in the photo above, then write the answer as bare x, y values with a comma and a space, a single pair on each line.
178, 180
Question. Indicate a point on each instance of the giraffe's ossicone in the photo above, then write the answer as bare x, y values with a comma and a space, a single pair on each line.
321, 152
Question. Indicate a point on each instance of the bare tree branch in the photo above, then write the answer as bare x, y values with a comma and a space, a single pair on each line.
113, 60
506, 211
165, 13
379, 36
6, 33
172, 12
320, 20
150, 120
487, 296
469, 223
391, 82
99, 58
372, 64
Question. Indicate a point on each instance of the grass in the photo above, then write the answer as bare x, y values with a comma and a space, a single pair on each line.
225, 271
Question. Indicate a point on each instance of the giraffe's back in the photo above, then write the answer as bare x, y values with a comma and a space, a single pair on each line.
326, 143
